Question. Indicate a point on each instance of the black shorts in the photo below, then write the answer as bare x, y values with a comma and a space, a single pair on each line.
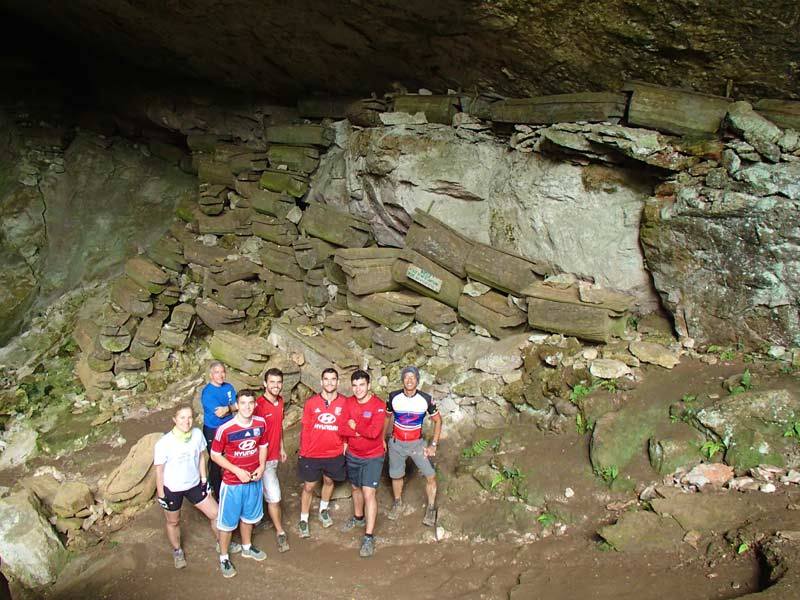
194, 495
311, 469
364, 472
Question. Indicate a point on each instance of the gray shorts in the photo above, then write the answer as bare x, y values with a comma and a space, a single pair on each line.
399, 452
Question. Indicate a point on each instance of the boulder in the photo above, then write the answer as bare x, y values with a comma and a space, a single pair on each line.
716, 512
642, 531
502, 356
656, 354
31, 550
72, 497
132, 478
751, 425
609, 368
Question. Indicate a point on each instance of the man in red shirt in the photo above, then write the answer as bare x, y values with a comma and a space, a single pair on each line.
240, 448
269, 407
364, 416
321, 448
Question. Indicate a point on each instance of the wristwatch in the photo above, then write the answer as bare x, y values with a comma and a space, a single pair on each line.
434, 444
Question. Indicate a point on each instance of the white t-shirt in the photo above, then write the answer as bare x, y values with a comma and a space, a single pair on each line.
181, 460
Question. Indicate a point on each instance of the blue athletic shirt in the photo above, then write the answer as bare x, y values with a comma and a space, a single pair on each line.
214, 396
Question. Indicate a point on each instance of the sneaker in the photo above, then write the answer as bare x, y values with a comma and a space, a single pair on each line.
179, 558
254, 553
430, 517
302, 527
325, 518
283, 543
227, 568
367, 547
394, 513
233, 548
353, 522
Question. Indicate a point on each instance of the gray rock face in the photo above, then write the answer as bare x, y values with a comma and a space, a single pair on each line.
726, 264
31, 551
59, 209
514, 48
572, 217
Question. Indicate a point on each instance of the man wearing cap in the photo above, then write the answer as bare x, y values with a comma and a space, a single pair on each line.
408, 407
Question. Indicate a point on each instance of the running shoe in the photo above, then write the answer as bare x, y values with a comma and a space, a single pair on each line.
367, 547
283, 543
430, 517
233, 548
227, 568
302, 527
254, 553
325, 518
394, 513
179, 558
352, 523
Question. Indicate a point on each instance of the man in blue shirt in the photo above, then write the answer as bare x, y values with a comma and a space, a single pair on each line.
219, 404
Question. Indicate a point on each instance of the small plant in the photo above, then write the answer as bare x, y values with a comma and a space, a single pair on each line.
608, 474
515, 476
745, 383
582, 424
579, 392
610, 385
546, 519
688, 398
793, 431
711, 447
479, 447
726, 354
742, 548
605, 546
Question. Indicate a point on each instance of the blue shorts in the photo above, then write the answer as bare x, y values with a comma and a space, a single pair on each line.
241, 502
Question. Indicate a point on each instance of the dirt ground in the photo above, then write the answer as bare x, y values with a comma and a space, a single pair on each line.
135, 562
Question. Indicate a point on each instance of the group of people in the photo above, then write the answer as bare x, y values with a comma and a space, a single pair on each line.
230, 470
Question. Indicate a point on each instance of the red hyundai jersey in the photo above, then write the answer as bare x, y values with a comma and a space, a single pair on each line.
240, 444
366, 441
273, 415
319, 437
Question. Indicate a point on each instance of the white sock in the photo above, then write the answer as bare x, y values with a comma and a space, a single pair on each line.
223, 557
245, 546
304, 517
323, 504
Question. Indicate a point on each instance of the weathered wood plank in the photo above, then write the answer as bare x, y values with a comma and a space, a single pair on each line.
784, 113
673, 110
299, 135
294, 158
561, 108
493, 312
284, 182
449, 288
274, 229
437, 108
335, 226
438, 242
503, 270
382, 309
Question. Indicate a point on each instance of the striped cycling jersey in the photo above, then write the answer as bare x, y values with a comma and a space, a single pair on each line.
409, 412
